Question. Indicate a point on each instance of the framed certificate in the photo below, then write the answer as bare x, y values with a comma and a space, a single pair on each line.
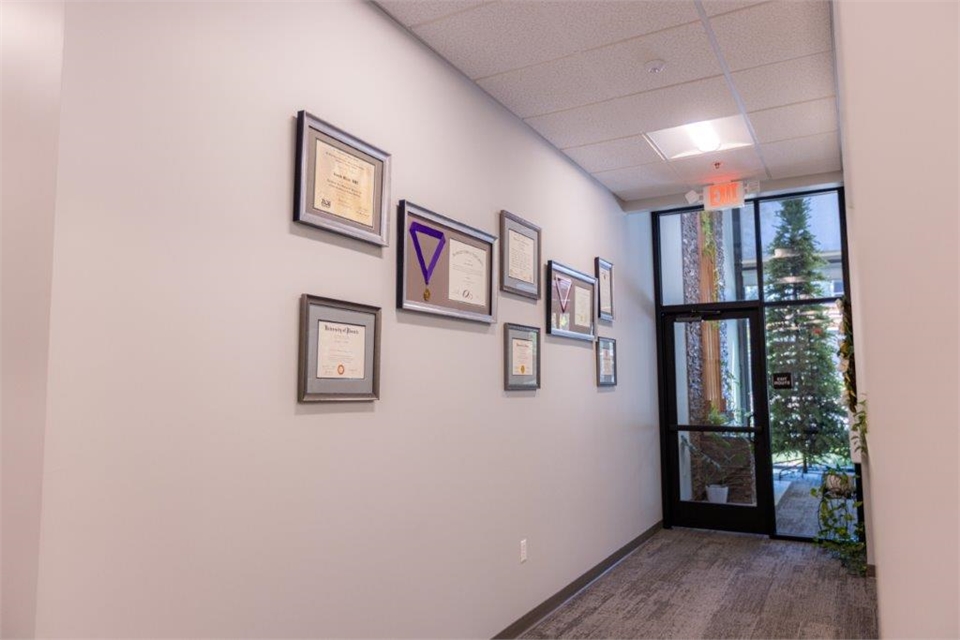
519, 256
521, 357
570, 312
339, 351
604, 273
444, 267
606, 362
342, 184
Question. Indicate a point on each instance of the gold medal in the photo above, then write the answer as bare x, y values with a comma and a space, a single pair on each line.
426, 295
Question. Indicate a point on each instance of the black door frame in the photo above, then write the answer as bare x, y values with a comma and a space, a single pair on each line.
759, 306
730, 517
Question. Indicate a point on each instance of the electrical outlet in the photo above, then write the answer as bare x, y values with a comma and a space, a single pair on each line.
523, 550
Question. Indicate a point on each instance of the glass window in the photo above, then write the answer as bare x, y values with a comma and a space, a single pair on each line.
713, 375
708, 256
802, 252
717, 467
808, 419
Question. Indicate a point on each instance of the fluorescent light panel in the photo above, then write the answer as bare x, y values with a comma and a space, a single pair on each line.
702, 137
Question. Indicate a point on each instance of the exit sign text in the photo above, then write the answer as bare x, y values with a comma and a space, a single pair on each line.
723, 196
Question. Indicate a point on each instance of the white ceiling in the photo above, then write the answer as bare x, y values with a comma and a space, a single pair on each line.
574, 71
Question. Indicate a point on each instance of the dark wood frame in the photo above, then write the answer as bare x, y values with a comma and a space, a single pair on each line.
407, 208
504, 257
508, 364
306, 302
598, 265
600, 381
556, 267
329, 222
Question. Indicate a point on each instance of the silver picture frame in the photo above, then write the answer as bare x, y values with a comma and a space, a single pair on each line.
311, 128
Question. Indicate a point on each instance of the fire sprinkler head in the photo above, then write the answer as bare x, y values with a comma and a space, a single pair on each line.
716, 165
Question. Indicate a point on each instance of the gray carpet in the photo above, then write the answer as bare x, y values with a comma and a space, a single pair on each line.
685, 583
797, 510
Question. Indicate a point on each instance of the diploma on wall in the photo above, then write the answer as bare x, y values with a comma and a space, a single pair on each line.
522, 260
340, 351
522, 354
606, 292
606, 360
344, 184
468, 274
583, 309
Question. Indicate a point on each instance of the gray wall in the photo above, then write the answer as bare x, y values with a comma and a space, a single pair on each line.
185, 491
32, 37
899, 110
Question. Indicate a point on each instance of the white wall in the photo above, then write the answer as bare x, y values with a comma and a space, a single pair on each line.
32, 37
898, 71
185, 491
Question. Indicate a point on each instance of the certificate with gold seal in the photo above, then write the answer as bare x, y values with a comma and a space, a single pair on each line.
340, 351
521, 357
343, 184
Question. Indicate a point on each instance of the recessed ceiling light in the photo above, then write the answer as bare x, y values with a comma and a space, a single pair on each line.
702, 137
655, 66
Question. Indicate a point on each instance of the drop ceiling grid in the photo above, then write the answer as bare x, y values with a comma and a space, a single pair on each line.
574, 72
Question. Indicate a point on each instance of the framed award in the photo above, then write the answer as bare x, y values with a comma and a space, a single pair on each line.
339, 351
444, 267
521, 357
570, 312
606, 362
604, 273
519, 256
342, 184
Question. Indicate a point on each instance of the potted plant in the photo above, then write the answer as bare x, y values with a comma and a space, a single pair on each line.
721, 459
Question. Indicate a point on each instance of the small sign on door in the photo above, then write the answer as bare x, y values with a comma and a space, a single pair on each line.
783, 380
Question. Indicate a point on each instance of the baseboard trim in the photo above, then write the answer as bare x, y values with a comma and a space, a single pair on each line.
548, 606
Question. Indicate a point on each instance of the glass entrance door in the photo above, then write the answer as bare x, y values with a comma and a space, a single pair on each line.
717, 446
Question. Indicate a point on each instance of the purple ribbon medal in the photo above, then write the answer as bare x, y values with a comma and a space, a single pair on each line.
417, 228
563, 292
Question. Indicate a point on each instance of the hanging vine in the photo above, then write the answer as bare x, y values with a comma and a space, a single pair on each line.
857, 407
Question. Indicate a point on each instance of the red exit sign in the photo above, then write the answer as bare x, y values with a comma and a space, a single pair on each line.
723, 196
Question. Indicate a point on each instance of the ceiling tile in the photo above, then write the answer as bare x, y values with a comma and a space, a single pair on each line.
716, 7
648, 181
685, 49
773, 32
787, 82
795, 120
614, 154
604, 73
803, 156
735, 164
545, 88
414, 12
594, 23
632, 115
498, 37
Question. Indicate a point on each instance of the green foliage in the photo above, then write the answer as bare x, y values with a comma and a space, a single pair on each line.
839, 531
709, 240
857, 407
808, 420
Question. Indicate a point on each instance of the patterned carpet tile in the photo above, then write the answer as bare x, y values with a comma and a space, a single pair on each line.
686, 583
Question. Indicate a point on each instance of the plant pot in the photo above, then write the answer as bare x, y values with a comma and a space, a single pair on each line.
717, 493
